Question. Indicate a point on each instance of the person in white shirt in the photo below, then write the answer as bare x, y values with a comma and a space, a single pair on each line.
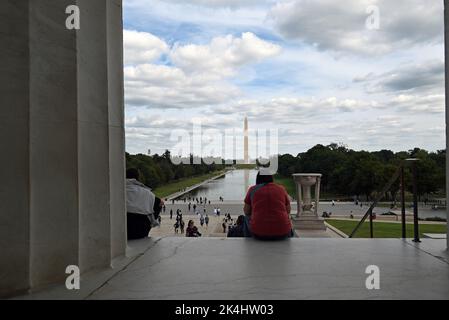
142, 206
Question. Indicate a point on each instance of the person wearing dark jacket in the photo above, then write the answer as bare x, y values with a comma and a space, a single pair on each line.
191, 230
237, 230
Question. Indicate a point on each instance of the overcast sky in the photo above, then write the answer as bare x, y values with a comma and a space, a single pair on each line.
309, 68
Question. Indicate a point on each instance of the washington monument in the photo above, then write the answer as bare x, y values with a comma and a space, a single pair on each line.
245, 146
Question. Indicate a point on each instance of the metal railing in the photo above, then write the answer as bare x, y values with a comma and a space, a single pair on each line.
399, 174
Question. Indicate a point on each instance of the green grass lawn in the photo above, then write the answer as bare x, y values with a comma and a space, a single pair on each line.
384, 229
245, 166
168, 189
288, 183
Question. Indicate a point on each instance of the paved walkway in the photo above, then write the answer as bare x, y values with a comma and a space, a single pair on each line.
214, 228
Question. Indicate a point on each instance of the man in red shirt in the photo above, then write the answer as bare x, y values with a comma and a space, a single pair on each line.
267, 205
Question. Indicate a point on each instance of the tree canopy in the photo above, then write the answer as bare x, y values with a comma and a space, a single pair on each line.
362, 173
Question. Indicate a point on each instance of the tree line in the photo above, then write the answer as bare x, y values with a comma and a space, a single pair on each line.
157, 170
362, 174
346, 173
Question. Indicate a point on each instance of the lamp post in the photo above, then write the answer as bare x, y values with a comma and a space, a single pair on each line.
413, 162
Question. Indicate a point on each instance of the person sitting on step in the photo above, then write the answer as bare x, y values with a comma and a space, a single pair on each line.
142, 206
267, 209
192, 230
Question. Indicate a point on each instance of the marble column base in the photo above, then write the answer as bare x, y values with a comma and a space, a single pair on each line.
308, 223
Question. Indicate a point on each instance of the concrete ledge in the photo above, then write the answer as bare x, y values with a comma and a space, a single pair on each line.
235, 269
337, 231
435, 235
93, 280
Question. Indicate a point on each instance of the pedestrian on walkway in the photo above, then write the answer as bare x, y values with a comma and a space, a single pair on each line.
181, 225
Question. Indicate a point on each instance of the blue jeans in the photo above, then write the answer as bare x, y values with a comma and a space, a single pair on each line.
246, 229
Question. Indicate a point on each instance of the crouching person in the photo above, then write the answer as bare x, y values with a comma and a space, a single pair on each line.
192, 231
142, 206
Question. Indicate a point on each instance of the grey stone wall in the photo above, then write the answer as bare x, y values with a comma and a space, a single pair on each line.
62, 139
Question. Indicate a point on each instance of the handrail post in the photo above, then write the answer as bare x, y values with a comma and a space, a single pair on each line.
415, 203
403, 218
378, 198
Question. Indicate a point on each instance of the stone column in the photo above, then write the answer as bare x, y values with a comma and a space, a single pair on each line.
446, 50
14, 141
61, 125
307, 210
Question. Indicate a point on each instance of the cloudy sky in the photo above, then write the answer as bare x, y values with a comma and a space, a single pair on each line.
311, 69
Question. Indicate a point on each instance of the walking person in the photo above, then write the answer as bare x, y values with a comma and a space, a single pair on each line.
181, 225
206, 220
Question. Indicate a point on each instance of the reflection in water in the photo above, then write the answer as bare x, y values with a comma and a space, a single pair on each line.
232, 186
246, 179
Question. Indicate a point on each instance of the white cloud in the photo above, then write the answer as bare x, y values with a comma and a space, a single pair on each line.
339, 26
308, 94
223, 55
198, 76
159, 86
218, 3
293, 109
142, 47
419, 103
424, 76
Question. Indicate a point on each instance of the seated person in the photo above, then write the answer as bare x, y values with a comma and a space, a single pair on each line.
267, 209
237, 230
191, 230
142, 206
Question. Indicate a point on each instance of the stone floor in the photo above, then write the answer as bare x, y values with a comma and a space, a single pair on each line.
218, 268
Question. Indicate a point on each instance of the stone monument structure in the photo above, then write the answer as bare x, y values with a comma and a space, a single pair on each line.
62, 196
307, 214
